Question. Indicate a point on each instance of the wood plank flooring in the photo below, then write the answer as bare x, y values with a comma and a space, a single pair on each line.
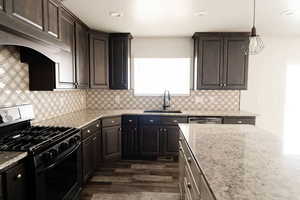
134, 180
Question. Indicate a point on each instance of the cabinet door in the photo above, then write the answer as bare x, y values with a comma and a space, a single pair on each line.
130, 142
181, 172
52, 14
95, 151
65, 72
29, 11
209, 62
235, 63
119, 61
111, 142
169, 138
82, 56
16, 184
87, 158
149, 137
2, 5
98, 60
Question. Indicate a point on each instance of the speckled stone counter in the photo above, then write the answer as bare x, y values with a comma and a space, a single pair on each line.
242, 162
82, 118
9, 158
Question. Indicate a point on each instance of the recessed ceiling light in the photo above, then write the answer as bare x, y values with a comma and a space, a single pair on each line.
288, 12
200, 13
116, 14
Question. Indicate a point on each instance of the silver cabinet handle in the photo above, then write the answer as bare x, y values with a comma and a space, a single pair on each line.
19, 176
130, 121
239, 122
88, 131
112, 121
175, 121
97, 125
151, 120
189, 185
224, 85
165, 130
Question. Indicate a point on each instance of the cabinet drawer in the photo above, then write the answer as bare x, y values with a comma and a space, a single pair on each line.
205, 191
172, 120
239, 120
89, 129
191, 162
112, 121
130, 119
150, 120
191, 188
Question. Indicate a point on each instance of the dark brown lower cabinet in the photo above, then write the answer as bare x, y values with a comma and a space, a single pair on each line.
149, 140
89, 156
169, 137
13, 183
130, 142
111, 137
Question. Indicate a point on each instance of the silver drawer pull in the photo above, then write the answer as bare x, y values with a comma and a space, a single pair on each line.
88, 131
239, 122
151, 120
112, 121
130, 121
189, 159
97, 125
175, 121
19, 176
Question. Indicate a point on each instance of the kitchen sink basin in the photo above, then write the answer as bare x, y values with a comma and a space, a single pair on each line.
162, 111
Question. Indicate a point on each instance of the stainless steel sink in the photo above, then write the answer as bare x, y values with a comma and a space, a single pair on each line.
162, 111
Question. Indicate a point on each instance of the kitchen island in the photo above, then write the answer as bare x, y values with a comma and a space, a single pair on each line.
237, 162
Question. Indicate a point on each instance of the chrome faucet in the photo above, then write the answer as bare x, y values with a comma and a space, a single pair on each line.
166, 100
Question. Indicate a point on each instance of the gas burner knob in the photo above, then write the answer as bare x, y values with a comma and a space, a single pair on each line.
46, 157
77, 138
63, 146
53, 153
72, 141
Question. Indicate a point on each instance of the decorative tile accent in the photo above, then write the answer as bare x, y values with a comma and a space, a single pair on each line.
14, 82
206, 100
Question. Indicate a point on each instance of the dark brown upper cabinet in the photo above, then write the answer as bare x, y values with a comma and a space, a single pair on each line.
98, 59
119, 60
82, 56
65, 72
52, 12
29, 11
221, 61
235, 63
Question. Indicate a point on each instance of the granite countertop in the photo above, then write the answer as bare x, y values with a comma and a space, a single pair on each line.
82, 118
9, 158
242, 162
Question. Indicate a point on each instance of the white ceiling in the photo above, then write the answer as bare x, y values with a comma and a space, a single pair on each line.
176, 17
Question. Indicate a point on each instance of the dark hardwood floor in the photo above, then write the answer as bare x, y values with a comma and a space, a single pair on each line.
134, 180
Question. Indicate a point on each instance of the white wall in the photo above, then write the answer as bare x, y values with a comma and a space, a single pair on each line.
267, 82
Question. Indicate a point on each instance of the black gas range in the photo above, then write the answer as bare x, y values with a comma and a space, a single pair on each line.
54, 153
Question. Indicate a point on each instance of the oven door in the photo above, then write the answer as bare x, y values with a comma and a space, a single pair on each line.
61, 179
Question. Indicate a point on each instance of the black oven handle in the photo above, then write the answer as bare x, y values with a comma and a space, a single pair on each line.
58, 161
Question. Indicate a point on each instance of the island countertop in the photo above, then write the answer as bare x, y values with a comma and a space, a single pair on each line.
242, 162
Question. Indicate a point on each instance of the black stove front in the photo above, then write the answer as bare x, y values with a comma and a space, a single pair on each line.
54, 161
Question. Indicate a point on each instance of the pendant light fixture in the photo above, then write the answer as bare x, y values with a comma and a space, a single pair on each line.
256, 44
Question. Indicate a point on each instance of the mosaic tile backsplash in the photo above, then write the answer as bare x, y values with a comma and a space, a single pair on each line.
206, 100
14, 83
14, 90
